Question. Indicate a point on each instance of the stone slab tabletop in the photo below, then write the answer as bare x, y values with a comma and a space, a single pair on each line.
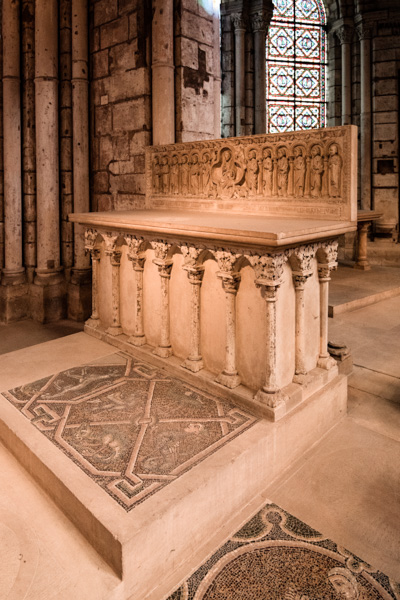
226, 227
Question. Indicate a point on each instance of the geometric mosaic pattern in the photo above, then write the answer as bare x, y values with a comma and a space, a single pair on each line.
296, 66
277, 557
127, 424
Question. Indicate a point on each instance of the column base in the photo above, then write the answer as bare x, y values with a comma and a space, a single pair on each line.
302, 378
326, 362
275, 401
79, 301
114, 330
194, 365
229, 380
137, 340
163, 351
93, 323
13, 277
362, 265
14, 302
48, 297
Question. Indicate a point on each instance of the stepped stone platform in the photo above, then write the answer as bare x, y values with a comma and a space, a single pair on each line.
152, 470
351, 289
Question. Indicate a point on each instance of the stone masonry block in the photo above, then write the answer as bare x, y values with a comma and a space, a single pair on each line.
385, 69
123, 57
129, 202
129, 84
128, 183
384, 132
384, 87
100, 64
385, 103
105, 11
133, 26
95, 40
131, 115
384, 149
100, 182
114, 33
189, 53
105, 152
138, 140
390, 180
103, 119
197, 28
120, 144
385, 117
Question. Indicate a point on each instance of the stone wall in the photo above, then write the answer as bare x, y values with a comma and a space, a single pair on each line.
120, 102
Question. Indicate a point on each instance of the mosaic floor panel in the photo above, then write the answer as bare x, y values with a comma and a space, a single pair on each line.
277, 557
127, 424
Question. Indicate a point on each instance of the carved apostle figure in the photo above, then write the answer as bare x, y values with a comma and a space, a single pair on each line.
267, 172
174, 176
317, 168
165, 174
252, 173
299, 175
184, 174
194, 174
156, 174
283, 172
205, 173
334, 172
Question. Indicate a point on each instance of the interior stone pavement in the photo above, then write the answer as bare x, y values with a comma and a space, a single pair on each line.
348, 486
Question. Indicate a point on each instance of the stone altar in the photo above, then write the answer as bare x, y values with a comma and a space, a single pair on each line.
224, 276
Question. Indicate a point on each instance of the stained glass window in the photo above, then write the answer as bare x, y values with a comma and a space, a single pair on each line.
296, 65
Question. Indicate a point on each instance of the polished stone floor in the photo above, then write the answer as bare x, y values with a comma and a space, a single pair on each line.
347, 487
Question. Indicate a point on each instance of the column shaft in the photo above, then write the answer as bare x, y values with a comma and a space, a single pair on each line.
240, 75
194, 361
80, 125
229, 376
325, 361
47, 157
138, 338
94, 320
163, 90
13, 271
115, 327
164, 348
345, 34
365, 119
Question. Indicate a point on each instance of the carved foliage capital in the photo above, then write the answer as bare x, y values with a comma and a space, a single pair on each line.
268, 268
190, 254
327, 258
301, 262
95, 254
161, 250
230, 283
345, 34
134, 247
239, 22
260, 21
225, 260
90, 238
115, 258
364, 30
110, 242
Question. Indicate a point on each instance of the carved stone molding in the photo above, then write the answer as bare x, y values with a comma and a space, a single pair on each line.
301, 261
268, 268
110, 242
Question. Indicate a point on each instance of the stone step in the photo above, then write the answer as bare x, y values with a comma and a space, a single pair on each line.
351, 289
193, 505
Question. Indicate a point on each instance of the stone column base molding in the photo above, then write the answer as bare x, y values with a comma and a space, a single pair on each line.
14, 302
48, 298
193, 365
163, 351
137, 340
274, 401
229, 380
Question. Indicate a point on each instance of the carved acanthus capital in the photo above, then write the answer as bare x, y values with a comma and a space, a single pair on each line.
364, 30
268, 268
95, 254
301, 261
161, 250
190, 254
239, 22
110, 242
195, 274
135, 245
225, 260
345, 34
90, 238
327, 252
260, 21
115, 258
230, 283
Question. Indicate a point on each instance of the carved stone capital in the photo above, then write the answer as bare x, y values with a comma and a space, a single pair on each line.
230, 283
110, 241
161, 249
260, 21
95, 254
225, 260
239, 22
364, 30
90, 238
325, 270
115, 258
327, 252
300, 280
345, 34
134, 245
268, 268
301, 262
190, 254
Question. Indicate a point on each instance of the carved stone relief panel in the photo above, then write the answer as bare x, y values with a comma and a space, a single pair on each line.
306, 172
